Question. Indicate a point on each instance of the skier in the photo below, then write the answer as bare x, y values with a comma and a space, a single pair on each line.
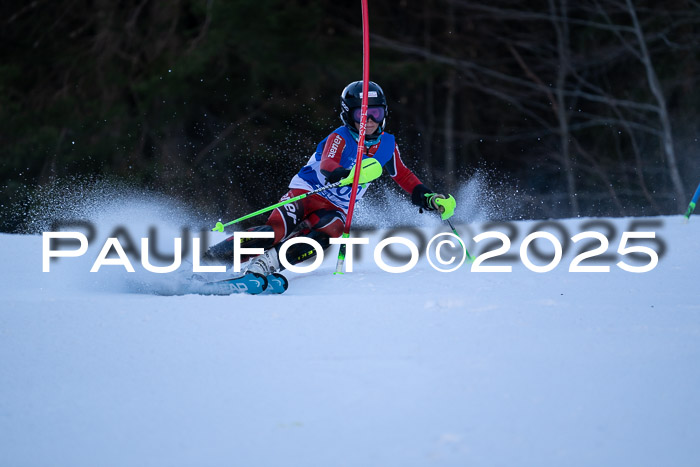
322, 216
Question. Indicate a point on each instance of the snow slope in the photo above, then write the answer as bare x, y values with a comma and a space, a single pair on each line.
364, 369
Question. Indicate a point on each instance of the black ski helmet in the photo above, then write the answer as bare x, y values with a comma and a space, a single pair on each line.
351, 98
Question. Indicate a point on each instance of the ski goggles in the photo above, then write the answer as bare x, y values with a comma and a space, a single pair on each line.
375, 113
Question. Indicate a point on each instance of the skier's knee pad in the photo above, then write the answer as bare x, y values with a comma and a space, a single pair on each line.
303, 251
330, 222
258, 242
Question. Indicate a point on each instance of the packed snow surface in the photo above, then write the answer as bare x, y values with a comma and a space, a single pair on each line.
368, 368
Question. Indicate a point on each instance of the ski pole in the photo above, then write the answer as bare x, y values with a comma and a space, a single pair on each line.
470, 258
372, 170
220, 226
691, 206
446, 208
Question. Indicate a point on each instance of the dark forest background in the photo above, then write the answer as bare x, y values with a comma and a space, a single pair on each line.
587, 107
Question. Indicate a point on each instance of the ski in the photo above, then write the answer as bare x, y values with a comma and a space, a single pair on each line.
250, 283
277, 283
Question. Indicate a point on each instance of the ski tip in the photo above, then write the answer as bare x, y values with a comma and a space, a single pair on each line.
261, 277
277, 283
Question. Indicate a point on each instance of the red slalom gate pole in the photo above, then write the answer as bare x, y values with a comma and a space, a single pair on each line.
363, 128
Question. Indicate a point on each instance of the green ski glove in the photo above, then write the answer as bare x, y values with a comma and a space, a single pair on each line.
371, 170
446, 206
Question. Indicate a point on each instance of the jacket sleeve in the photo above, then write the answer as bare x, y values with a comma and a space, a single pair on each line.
407, 179
330, 159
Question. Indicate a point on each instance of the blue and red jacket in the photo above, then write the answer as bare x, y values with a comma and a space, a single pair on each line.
339, 150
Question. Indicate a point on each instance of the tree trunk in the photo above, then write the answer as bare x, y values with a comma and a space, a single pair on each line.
655, 86
562, 32
450, 111
450, 153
